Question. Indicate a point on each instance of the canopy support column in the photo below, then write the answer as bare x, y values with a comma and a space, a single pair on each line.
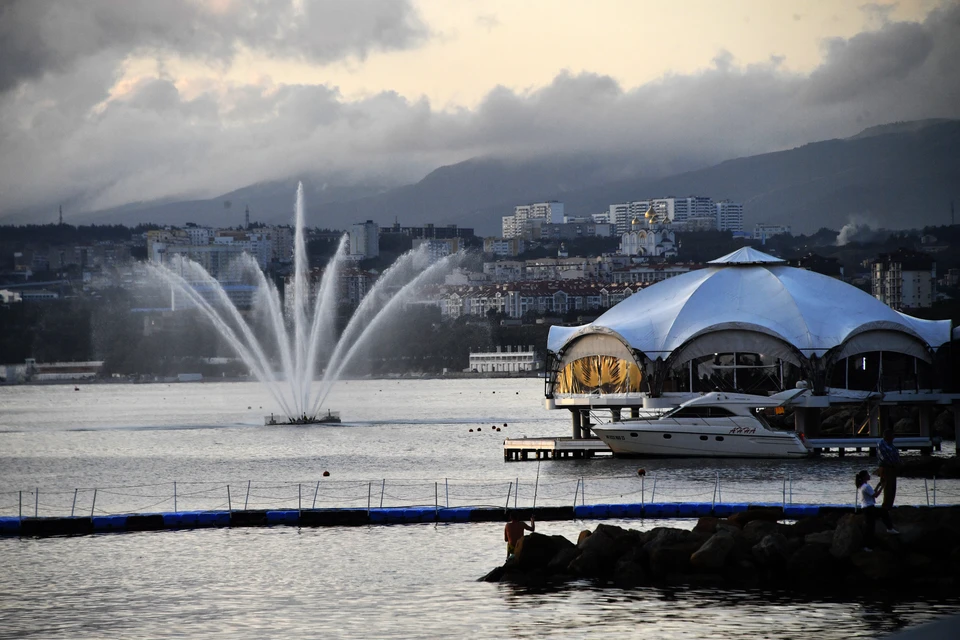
575, 417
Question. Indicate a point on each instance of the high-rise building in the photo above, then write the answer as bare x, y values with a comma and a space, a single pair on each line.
729, 216
905, 279
526, 214
365, 240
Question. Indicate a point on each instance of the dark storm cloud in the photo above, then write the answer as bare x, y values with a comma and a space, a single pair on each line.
60, 137
39, 36
869, 60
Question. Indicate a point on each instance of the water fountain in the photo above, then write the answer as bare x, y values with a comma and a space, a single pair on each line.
306, 339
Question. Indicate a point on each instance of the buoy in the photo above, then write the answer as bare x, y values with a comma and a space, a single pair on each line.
76, 388
504, 424
641, 472
326, 474
498, 428
478, 428
249, 407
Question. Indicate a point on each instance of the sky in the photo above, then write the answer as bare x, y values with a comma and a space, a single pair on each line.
107, 102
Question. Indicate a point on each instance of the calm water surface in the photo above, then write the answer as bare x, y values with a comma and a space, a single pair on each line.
399, 581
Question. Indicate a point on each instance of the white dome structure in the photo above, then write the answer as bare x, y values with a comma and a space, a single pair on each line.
752, 303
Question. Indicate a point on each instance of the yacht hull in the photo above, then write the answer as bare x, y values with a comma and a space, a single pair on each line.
705, 441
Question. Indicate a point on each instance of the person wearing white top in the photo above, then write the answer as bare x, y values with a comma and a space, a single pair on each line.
867, 501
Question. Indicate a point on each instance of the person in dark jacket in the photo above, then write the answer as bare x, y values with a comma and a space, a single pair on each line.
889, 458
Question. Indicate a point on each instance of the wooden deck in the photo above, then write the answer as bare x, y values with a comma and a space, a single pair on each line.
556, 448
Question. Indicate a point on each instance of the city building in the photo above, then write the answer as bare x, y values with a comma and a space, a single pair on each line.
516, 299
729, 216
504, 247
904, 279
438, 249
647, 273
762, 231
505, 360
365, 240
430, 231
525, 215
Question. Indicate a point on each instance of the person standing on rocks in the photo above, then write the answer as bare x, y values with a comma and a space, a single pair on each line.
889, 458
866, 500
514, 531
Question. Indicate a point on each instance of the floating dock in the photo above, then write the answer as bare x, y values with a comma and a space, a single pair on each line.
923, 444
556, 448
562, 448
67, 526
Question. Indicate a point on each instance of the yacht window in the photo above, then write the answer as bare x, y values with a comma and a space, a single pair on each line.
702, 412
719, 438
667, 436
633, 434
759, 416
703, 437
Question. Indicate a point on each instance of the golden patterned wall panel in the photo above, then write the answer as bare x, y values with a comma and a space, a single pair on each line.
605, 374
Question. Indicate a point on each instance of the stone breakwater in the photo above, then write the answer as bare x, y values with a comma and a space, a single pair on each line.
753, 549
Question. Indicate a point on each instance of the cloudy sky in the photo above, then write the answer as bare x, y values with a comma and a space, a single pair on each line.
105, 102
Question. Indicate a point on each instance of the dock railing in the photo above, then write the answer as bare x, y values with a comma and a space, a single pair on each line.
520, 493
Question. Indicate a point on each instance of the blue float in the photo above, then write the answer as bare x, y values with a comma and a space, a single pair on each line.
9, 526
454, 515
109, 523
694, 509
213, 519
283, 517
801, 510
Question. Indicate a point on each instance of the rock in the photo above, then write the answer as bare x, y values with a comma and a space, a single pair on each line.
801, 528
707, 524
599, 550
811, 563
560, 564
630, 570
821, 537
772, 551
668, 559
583, 535
847, 537
876, 565
712, 555
743, 574
493, 576
757, 530
535, 551
767, 513
723, 525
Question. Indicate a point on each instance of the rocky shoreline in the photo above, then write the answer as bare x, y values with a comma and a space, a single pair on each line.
753, 549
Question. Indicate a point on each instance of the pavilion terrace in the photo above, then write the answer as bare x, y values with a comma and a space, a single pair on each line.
750, 323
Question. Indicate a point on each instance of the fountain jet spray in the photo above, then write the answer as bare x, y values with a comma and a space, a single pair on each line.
307, 336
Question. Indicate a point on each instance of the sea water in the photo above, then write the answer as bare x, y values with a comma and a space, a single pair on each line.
132, 442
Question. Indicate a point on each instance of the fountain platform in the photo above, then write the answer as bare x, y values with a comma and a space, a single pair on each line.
330, 417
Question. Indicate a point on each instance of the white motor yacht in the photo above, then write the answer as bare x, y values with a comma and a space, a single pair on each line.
714, 425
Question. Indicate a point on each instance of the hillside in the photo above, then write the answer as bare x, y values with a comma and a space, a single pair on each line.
896, 175
904, 177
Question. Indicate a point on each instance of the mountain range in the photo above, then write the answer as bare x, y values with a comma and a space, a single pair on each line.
894, 176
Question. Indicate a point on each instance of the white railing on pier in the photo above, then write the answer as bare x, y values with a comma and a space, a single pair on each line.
520, 493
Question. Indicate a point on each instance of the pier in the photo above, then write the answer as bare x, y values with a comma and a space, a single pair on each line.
553, 448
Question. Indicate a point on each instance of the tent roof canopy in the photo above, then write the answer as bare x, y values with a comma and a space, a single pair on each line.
751, 291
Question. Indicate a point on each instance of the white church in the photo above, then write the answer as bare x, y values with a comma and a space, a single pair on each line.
652, 236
